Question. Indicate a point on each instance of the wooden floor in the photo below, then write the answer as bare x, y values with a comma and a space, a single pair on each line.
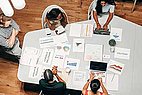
29, 19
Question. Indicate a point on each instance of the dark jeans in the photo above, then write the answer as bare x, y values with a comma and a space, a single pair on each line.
8, 56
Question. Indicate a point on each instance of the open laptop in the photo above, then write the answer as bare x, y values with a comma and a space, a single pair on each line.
99, 68
101, 31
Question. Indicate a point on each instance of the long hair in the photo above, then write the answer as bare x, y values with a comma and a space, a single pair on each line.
99, 6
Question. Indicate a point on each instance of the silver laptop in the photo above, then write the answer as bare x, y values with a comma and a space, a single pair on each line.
99, 68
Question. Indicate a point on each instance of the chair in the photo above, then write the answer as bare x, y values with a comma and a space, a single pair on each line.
90, 11
48, 9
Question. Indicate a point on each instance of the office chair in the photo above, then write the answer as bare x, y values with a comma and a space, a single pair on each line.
48, 9
90, 11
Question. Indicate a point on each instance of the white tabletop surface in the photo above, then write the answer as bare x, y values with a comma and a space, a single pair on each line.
129, 81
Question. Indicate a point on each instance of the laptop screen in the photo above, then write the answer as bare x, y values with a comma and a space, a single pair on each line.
98, 66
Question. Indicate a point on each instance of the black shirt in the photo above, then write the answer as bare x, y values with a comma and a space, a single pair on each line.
55, 88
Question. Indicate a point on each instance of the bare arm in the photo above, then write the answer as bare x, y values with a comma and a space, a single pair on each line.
59, 78
51, 26
65, 21
54, 71
105, 26
103, 87
96, 19
92, 75
12, 38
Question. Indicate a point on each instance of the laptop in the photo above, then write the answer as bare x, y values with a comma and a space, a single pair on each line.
99, 68
101, 31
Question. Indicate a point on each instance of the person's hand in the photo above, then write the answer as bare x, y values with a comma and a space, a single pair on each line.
105, 27
10, 41
92, 75
98, 26
54, 70
52, 27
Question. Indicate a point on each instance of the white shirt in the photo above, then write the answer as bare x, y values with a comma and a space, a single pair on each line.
105, 9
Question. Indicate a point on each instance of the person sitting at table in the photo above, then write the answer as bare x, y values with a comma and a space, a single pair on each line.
49, 86
55, 18
102, 7
95, 84
9, 42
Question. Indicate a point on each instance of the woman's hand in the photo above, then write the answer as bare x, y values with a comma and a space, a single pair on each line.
98, 26
92, 75
105, 27
100, 79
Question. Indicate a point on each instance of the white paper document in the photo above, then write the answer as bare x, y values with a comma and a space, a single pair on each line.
72, 63
79, 79
78, 45
30, 60
93, 52
87, 30
30, 56
112, 81
116, 34
63, 48
42, 70
62, 38
31, 51
58, 59
75, 29
115, 67
46, 56
35, 71
83, 30
122, 53
46, 42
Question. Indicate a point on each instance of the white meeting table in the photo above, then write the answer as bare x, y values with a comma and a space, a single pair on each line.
129, 81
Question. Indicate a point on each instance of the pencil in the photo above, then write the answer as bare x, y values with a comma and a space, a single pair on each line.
86, 29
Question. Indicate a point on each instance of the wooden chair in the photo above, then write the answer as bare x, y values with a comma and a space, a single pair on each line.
48, 9
90, 11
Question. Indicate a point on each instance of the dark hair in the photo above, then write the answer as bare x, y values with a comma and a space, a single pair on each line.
53, 14
99, 6
4, 18
48, 75
95, 85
